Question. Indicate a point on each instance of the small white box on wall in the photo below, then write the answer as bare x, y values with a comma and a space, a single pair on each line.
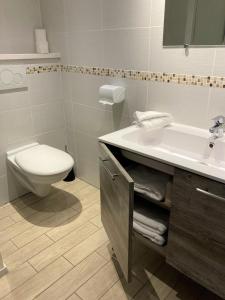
12, 77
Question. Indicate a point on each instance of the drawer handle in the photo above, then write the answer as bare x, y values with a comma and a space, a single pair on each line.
113, 176
210, 194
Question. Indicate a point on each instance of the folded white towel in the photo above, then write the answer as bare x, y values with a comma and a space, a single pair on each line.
140, 116
150, 216
152, 119
149, 182
154, 237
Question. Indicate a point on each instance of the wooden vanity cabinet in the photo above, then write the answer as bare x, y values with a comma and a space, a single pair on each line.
196, 244
196, 235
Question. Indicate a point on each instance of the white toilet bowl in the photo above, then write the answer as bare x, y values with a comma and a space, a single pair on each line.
37, 166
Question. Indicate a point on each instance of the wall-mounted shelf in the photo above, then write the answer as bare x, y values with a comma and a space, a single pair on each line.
28, 56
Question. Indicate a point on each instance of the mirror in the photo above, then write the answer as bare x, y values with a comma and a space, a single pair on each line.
194, 23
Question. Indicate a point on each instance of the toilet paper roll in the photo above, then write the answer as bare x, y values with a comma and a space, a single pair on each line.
40, 36
42, 48
111, 94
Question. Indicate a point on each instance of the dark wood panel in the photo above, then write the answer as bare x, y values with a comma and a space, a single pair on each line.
196, 242
117, 192
196, 206
198, 259
148, 162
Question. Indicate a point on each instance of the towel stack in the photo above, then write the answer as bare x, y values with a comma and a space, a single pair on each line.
152, 119
150, 221
148, 182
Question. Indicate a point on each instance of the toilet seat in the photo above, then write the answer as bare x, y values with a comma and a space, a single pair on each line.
44, 160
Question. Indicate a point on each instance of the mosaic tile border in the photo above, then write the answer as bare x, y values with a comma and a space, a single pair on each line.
184, 79
44, 69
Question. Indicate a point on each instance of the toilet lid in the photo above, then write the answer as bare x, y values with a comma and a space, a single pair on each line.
44, 160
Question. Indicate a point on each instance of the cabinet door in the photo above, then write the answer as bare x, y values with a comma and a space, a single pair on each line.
117, 190
196, 244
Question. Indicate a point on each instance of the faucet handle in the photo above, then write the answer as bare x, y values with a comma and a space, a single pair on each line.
219, 120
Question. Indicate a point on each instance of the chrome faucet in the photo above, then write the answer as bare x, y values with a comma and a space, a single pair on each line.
217, 129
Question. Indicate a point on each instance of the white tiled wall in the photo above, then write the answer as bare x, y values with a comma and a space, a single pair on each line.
33, 114
124, 34
18, 19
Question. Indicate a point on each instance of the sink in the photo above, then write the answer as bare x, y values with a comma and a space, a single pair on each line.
177, 144
183, 141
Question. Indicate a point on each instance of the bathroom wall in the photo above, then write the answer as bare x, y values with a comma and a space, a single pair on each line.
35, 113
31, 115
124, 34
17, 22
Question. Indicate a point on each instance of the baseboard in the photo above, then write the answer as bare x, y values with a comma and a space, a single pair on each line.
3, 271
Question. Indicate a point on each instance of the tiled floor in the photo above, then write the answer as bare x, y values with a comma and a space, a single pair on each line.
56, 248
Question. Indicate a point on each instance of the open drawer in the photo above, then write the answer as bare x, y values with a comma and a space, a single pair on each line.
117, 196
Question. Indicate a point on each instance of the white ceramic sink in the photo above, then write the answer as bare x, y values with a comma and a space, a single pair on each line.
179, 145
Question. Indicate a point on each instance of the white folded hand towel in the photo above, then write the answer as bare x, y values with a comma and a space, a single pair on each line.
140, 116
151, 216
154, 237
152, 119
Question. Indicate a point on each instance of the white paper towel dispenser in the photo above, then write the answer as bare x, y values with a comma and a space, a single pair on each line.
111, 94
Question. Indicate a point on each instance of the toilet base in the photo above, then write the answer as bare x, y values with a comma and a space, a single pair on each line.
41, 190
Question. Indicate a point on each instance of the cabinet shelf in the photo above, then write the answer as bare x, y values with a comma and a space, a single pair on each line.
28, 56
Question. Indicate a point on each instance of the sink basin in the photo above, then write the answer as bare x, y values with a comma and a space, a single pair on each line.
179, 140
179, 145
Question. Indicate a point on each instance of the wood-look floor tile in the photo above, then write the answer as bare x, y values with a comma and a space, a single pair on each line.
82, 192
97, 221
87, 201
25, 253
7, 249
106, 251
41, 281
6, 222
122, 290
62, 246
15, 278
78, 253
72, 280
99, 284
77, 184
73, 297
14, 206
59, 232
35, 231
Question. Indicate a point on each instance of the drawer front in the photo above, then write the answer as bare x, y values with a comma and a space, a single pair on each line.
197, 259
196, 242
117, 192
198, 206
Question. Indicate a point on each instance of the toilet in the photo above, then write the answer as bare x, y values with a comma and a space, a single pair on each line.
38, 166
